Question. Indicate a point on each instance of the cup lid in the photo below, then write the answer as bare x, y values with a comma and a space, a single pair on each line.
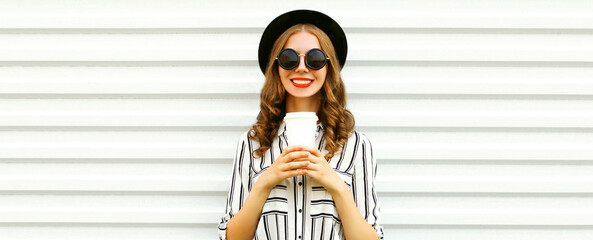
301, 115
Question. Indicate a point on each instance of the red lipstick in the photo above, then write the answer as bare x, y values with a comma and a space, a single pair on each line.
301, 82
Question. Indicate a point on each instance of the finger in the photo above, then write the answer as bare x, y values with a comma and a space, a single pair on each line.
312, 150
311, 174
313, 167
294, 165
293, 156
296, 172
317, 160
290, 149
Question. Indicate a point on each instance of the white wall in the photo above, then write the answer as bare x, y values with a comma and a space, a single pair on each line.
118, 119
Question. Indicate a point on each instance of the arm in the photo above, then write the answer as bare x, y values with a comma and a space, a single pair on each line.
356, 225
239, 186
366, 199
244, 224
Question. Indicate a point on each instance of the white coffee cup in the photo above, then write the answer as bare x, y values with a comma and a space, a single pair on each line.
301, 128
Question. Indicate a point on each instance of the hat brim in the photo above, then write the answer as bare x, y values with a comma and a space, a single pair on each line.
289, 19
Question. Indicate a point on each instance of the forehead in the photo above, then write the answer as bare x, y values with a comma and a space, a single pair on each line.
302, 42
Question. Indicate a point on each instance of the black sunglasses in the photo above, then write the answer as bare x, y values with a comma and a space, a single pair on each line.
314, 59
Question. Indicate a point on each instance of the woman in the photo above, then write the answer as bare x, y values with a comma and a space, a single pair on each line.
303, 192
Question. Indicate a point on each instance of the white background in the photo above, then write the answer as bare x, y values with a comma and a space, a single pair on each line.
119, 119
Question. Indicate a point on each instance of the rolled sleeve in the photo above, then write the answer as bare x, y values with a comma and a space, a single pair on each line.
239, 186
365, 193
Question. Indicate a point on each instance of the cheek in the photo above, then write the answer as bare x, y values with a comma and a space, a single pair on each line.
321, 74
282, 73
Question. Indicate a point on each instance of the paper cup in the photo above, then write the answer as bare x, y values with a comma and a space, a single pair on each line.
300, 128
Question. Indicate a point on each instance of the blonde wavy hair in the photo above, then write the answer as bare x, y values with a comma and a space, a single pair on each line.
337, 121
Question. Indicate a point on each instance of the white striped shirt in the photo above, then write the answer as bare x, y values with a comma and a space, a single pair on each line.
299, 208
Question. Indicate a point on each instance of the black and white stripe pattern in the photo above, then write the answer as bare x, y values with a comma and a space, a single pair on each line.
299, 208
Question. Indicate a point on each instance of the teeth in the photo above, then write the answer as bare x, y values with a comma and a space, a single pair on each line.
301, 81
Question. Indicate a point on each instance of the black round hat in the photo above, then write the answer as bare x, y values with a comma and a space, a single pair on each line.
289, 19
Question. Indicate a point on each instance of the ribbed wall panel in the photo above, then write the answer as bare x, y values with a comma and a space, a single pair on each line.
119, 119
363, 47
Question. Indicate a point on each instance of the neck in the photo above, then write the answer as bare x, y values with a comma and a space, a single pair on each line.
309, 104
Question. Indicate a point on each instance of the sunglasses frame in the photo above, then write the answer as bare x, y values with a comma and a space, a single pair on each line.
299, 60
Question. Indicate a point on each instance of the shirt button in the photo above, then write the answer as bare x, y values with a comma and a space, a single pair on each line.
300, 184
300, 237
300, 210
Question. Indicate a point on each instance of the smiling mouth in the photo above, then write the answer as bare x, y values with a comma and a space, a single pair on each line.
301, 82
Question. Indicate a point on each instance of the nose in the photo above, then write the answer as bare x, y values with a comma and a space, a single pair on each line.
302, 66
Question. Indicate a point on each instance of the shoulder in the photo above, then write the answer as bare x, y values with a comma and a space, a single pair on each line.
243, 139
360, 137
246, 138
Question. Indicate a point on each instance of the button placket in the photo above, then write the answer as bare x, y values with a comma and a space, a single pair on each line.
299, 203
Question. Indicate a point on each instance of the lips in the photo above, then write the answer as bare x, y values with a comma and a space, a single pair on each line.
301, 82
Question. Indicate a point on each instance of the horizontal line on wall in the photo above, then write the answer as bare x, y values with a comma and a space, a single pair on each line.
505, 162
229, 63
116, 193
454, 30
213, 225
255, 96
217, 129
484, 195
474, 129
119, 160
256, 30
472, 64
485, 227
458, 96
129, 30
241, 129
380, 193
234, 63
129, 96
381, 161
114, 225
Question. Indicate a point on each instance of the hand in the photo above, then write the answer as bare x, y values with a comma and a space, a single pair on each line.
320, 170
292, 162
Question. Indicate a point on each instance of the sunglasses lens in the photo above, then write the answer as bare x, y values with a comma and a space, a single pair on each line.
315, 59
288, 59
